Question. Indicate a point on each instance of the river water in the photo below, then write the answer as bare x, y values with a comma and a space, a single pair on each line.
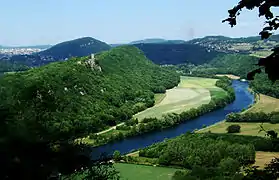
243, 99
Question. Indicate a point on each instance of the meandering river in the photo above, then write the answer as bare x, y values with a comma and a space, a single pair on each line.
243, 99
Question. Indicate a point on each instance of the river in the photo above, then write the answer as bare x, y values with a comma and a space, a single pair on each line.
243, 99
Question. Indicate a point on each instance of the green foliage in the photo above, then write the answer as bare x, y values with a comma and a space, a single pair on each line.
100, 171
235, 128
69, 99
192, 150
236, 64
253, 117
262, 84
275, 118
6, 66
260, 143
117, 156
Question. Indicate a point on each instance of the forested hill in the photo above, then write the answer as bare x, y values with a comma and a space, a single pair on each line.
62, 51
157, 41
177, 53
81, 95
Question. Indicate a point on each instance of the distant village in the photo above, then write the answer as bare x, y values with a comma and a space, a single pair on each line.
18, 51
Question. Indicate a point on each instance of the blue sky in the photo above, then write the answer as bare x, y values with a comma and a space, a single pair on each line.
31, 22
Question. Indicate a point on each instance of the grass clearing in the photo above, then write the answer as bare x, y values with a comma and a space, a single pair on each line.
142, 172
159, 97
197, 82
261, 54
190, 93
263, 158
265, 104
246, 128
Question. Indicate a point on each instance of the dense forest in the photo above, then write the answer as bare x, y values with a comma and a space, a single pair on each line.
208, 155
158, 41
205, 157
177, 53
262, 84
236, 64
81, 95
6, 66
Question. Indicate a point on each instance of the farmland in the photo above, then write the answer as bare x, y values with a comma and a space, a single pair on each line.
266, 104
246, 128
142, 172
190, 93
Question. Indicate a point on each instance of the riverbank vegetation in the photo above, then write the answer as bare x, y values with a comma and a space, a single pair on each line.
134, 127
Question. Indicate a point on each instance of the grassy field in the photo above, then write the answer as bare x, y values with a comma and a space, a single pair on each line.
246, 128
190, 93
261, 54
159, 97
141, 172
263, 158
266, 104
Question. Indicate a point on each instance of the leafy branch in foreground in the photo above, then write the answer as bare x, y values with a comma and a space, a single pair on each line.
270, 63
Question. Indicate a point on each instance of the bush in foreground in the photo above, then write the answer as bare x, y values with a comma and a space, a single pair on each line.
235, 128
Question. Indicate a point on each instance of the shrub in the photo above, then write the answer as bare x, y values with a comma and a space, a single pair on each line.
123, 127
93, 136
274, 118
117, 156
235, 128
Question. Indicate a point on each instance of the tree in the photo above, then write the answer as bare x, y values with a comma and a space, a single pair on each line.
235, 128
117, 156
271, 63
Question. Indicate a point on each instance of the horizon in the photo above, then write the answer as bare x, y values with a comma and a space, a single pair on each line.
132, 21
15, 46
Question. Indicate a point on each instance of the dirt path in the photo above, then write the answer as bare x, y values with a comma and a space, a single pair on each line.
113, 127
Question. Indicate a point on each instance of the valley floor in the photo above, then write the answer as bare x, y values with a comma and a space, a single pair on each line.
190, 93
